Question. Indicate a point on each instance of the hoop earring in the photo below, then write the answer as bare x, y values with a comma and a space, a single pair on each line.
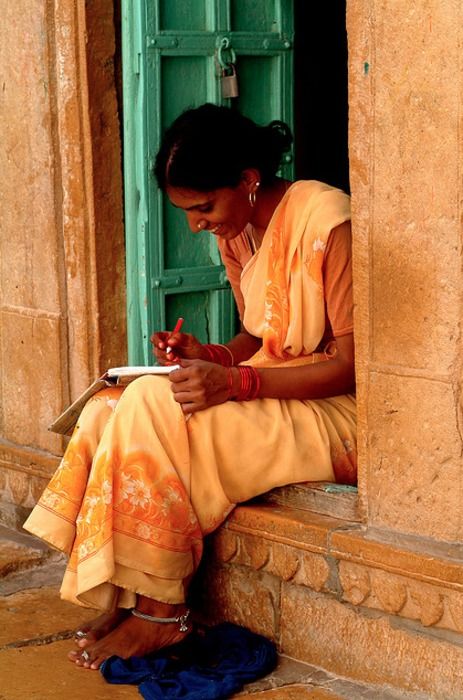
253, 195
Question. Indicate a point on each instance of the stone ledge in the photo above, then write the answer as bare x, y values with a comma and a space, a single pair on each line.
31, 460
417, 558
411, 578
24, 473
320, 588
321, 497
425, 560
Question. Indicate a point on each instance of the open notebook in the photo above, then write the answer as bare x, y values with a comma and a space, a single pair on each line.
115, 376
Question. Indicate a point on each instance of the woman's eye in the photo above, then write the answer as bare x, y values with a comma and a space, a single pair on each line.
205, 209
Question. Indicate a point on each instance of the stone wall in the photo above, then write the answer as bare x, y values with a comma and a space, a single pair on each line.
405, 155
62, 293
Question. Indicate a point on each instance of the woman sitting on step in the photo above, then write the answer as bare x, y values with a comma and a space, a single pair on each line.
152, 468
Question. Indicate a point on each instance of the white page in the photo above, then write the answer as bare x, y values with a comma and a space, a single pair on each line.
140, 370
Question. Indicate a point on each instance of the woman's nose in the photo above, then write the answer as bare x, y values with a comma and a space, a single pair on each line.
195, 222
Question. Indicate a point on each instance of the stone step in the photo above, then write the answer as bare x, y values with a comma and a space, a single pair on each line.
380, 612
26, 562
336, 500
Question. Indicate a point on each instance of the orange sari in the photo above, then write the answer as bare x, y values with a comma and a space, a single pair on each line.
139, 486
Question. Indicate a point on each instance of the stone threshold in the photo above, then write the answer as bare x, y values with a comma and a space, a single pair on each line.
375, 609
32, 461
24, 473
322, 497
417, 558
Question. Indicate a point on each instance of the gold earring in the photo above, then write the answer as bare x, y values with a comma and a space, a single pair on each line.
253, 195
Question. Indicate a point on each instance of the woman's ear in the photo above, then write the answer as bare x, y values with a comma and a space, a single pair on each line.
250, 177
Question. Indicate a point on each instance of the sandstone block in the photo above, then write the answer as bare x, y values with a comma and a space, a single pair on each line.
285, 561
225, 544
243, 596
32, 379
253, 551
414, 468
355, 582
378, 651
313, 572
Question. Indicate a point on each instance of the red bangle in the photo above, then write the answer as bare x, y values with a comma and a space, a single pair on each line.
250, 383
220, 354
229, 382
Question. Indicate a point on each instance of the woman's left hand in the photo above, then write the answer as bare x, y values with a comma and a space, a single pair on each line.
199, 384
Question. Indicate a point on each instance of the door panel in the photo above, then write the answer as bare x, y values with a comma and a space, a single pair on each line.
171, 62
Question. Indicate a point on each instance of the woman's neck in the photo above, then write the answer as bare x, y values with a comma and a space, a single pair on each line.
267, 200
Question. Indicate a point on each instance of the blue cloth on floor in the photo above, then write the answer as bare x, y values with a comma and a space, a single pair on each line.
210, 664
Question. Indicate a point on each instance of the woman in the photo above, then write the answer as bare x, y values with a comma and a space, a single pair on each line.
153, 468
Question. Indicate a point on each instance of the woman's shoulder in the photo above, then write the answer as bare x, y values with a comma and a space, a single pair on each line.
312, 188
318, 206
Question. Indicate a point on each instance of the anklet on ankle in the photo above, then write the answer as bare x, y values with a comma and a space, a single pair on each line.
182, 619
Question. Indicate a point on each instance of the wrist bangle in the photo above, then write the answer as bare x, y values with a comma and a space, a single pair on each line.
249, 383
229, 383
220, 354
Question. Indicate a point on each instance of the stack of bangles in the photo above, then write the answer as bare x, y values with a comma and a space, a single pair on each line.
249, 376
249, 383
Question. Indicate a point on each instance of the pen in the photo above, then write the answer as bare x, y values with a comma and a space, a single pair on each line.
177, 327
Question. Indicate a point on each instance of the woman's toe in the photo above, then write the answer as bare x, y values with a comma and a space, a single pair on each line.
81, 658
96, 663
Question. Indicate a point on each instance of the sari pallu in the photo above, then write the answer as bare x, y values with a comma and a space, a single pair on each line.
139, 486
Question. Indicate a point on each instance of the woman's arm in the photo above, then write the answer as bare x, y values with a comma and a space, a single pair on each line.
317, 381
199, 385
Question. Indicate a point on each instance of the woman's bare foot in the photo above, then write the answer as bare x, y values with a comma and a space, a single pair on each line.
102, 625
134, 636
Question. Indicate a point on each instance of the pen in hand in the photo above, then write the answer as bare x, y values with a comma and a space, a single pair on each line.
177, 328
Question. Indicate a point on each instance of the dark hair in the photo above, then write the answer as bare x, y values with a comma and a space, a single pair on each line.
209, 147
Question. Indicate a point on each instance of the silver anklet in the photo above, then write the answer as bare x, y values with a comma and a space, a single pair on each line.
182, 619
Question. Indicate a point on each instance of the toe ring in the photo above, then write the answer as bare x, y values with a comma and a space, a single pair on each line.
85, 655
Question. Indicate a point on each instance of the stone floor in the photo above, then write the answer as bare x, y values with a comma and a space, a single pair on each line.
36, 630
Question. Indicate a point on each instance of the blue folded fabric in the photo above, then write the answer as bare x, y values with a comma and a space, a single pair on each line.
210, 664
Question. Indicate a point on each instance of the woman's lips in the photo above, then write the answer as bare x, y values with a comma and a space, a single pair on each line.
216, 229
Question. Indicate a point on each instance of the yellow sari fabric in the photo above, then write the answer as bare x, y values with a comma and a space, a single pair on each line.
139, 485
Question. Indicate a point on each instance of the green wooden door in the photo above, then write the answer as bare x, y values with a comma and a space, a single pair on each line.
172, 51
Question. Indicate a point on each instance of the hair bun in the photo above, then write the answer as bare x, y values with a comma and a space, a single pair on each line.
210, 146
282, 135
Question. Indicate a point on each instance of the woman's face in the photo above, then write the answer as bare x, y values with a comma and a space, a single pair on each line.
223, 212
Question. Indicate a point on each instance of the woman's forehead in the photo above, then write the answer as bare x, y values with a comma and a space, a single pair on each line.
186, 198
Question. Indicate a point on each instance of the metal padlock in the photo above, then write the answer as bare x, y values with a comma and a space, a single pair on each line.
230, 83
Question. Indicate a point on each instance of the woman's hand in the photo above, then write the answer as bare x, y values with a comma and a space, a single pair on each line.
182, 345
199, 384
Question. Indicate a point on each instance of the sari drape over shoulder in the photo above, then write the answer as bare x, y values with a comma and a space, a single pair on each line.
139, 485
283, 283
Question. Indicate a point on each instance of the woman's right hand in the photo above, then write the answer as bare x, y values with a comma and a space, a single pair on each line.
182, 345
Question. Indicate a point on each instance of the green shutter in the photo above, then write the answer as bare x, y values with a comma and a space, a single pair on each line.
170, 63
